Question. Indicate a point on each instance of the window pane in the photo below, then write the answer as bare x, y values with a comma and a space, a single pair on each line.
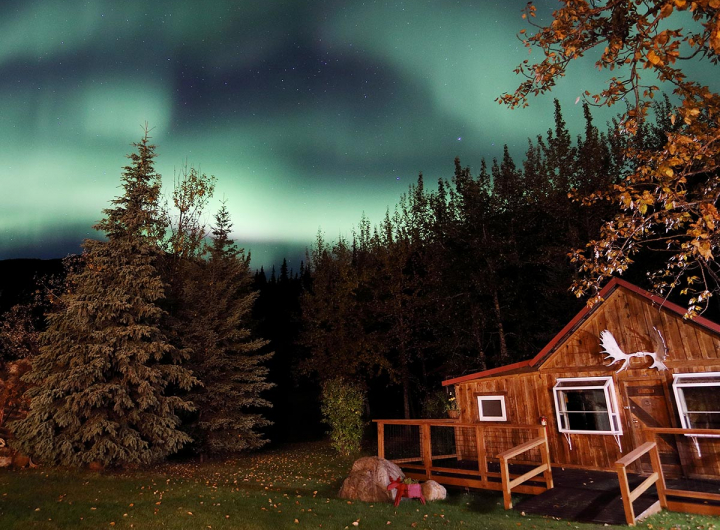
589, 421
585, 400
492, 408
704, 420
702, 398
581, 382
691, 379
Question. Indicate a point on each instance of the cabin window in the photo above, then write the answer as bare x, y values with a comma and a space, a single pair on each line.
491, 408
698, 400
586, 405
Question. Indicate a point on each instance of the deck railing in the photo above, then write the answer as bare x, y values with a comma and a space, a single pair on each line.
469, 454
656, 478
542, 443
698, 450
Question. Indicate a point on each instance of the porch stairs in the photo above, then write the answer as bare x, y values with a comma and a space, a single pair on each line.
588, 496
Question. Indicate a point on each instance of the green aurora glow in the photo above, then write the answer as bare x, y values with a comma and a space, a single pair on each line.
309, 113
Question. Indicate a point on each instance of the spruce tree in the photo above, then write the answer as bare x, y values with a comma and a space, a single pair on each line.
226, 357
105, 373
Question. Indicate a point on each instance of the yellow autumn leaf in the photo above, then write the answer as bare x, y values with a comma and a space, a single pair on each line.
653, 58
715, 36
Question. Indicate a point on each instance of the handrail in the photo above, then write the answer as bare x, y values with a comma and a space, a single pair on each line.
677, 430
635, 454
518, 449
684, 500
456, 423
505, 456
628, 495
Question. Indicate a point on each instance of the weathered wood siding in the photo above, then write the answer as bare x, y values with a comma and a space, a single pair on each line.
630, 317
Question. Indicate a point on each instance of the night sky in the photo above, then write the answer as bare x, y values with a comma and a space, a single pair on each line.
308, 113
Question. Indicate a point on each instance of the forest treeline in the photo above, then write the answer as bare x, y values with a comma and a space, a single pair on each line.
151, 342
471, 273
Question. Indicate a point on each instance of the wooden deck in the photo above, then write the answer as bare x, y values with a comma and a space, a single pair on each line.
515, 459
595, 496
587, 496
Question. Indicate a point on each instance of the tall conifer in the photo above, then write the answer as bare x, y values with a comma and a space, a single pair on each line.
103, 377
226, 357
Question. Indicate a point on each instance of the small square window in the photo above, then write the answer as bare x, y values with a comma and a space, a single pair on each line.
491, 408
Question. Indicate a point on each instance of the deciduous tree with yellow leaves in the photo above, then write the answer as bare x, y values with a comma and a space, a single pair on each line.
668, 200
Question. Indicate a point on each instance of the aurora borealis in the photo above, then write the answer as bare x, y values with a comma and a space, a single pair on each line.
308, 113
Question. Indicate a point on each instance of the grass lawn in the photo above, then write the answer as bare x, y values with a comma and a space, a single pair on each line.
292, 487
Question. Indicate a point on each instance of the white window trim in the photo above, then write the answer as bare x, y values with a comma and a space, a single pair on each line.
680, 396
482, 417
604, 383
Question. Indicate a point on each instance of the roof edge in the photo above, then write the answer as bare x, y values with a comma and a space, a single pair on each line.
485, 373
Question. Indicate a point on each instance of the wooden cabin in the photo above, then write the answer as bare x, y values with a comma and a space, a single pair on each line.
597, 412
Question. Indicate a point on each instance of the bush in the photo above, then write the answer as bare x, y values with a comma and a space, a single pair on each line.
437, 404
342, 406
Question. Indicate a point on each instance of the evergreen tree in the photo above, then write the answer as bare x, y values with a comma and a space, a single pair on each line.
225, 356
260, 278
332, 318
284, 276
103, 376
561, 154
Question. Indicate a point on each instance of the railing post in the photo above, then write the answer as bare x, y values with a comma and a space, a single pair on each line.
545, 455
657, 468
505, 477
625, 490
381, 439
426, 448
481, 454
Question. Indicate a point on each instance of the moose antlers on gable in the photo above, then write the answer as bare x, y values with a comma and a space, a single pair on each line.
610, 345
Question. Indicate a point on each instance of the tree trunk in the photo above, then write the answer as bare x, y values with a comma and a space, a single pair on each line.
405, 379
501, 331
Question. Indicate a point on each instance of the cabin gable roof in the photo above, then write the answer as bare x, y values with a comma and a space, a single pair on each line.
584, 327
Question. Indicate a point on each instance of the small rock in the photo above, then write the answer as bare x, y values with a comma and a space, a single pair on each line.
432, 491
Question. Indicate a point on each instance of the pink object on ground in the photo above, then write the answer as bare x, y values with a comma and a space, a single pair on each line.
411, 491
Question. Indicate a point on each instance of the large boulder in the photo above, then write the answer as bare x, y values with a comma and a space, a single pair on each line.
432, 491
369, 479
